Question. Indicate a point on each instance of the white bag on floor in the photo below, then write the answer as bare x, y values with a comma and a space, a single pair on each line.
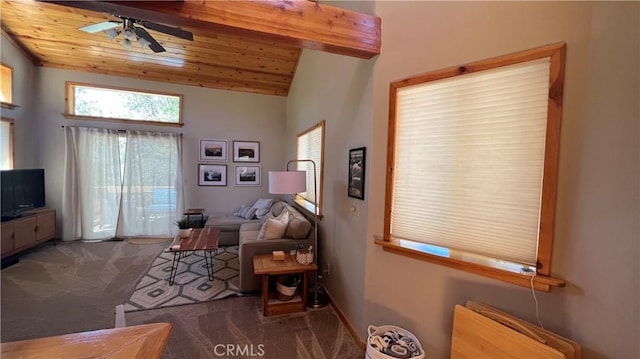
391, 342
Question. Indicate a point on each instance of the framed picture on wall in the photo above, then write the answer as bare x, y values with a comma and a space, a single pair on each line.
357, 159
213, 150
212, 175
246, 151
247, 175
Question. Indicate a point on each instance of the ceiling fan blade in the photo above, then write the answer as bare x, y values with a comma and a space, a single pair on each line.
92, 29
174, 31
153, 44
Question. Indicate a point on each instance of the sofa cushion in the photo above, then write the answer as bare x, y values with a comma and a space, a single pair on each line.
227, 222
262, 206
298, 226
249, 232
277, 207
274, 228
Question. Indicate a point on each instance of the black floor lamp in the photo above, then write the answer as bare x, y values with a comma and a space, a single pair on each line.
292, 182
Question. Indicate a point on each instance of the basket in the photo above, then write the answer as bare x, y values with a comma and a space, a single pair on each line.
285, 288
304, 257
391, 342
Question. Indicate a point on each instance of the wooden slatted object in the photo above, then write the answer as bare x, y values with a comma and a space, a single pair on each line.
483, 332
140, 341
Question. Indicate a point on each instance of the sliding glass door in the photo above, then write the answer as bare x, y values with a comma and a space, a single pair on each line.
121, 183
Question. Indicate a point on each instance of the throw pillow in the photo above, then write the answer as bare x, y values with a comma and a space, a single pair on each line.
274, 228
262, 206
247, 213
240, 210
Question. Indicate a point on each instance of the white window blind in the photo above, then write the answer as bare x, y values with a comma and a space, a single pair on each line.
468, 166
310, 147
6, 145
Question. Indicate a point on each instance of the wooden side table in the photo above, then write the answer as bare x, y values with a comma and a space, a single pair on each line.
195, 212
264, 265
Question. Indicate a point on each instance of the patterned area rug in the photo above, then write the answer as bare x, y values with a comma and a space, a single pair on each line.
191, 284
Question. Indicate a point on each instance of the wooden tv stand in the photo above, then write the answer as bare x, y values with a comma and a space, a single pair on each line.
32, 228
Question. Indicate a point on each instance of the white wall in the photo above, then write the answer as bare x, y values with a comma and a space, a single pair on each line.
336, 89
25, 150
208, 113
596, 244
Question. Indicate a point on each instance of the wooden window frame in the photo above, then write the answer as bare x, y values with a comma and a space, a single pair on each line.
11, 139
70, 105
7, 104
542, 280
301, 201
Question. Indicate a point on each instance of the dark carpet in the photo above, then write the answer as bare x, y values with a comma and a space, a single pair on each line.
75, 286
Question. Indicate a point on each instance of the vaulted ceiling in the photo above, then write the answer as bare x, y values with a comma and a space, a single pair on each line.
249, 46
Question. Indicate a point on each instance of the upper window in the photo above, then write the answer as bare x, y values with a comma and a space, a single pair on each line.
6, 144
100, 102
311, 147
473, 168
6, 81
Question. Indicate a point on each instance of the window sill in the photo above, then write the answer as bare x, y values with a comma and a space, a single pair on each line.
499, 272
10, 106
70, 116
306, 206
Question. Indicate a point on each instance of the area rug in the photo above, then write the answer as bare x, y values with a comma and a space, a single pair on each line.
191, 285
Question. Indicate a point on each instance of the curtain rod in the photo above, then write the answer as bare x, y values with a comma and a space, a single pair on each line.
119, 130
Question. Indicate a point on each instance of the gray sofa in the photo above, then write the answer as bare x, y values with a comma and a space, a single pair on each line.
243, 232
229, 226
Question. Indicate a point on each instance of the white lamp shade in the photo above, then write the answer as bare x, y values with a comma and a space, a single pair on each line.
287, 182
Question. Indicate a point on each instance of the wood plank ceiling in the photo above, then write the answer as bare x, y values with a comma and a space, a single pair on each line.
249, 46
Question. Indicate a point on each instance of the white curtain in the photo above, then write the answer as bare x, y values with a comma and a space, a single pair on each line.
118, 184
92, 183
152, 185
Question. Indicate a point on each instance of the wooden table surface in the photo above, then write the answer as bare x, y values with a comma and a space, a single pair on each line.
193, 211
140, 341
264, 264
200, 239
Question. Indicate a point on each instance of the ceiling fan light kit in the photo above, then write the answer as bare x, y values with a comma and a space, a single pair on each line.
132, 33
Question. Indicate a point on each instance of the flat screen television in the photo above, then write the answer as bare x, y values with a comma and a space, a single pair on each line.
21, 190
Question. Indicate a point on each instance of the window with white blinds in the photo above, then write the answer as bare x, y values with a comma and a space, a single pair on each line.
468, 164
6, 144
311, 147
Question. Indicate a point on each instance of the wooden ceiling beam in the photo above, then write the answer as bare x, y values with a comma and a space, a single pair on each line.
298, 23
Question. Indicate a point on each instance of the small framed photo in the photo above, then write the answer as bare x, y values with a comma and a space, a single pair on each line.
247, 175
213, 150
357, 159
246, 151
212, 175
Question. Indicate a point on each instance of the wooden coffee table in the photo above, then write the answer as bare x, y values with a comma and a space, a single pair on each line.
263, 264
200, 239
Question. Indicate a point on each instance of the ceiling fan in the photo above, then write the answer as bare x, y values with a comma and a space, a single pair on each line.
132, 33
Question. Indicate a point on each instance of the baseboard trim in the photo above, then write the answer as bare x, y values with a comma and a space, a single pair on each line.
354, 333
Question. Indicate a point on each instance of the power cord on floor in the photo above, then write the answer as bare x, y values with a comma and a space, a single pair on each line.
533, 292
